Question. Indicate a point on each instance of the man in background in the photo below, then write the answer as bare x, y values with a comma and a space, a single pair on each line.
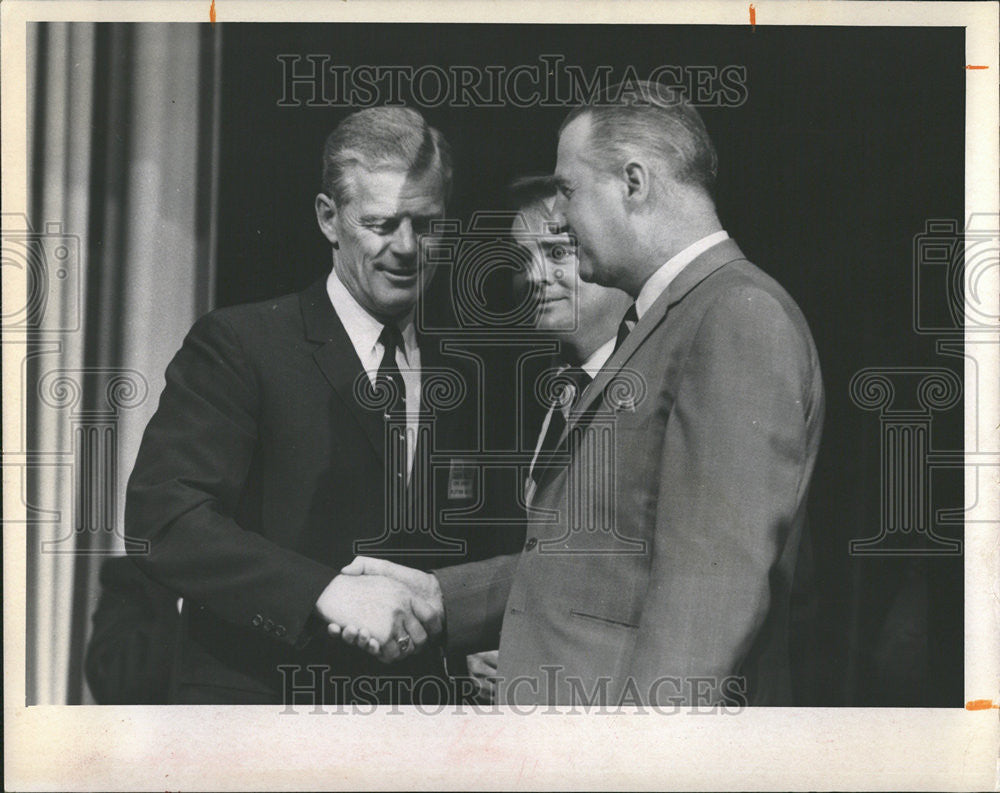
581, 316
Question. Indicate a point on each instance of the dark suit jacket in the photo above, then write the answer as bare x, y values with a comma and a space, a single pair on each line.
257, 474
664, 550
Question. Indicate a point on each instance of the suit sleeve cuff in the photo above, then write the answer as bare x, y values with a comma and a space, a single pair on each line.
475, 598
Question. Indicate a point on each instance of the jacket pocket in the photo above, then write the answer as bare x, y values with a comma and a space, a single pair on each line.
602, 620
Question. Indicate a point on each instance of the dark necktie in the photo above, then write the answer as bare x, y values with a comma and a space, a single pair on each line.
577, 380
389, 380
389, 376
625, 326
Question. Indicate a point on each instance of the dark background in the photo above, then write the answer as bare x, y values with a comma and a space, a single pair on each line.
849, 141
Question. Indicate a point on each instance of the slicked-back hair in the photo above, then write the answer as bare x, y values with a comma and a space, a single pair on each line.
535, 193
383, 137
525, 191
652, 119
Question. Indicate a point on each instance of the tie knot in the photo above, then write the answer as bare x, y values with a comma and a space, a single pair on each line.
626, 325
391, 338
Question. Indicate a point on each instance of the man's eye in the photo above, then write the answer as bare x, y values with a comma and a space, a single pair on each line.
567, 191
559, 252
384, 227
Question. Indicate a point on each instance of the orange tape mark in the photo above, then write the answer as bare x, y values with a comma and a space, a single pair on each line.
970, 66
753, 16
211, 13
981, 704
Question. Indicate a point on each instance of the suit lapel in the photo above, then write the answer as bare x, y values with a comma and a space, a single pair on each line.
339, 362
697, 271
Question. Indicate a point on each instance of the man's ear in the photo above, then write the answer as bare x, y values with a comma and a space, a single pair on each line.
637, 182
326, 217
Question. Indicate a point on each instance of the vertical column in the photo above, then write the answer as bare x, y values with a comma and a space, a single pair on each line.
906, 527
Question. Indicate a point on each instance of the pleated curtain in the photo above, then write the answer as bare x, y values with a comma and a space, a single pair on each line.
123, 138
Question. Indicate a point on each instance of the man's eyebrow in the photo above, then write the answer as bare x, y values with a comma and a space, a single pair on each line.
400, 216
554, 238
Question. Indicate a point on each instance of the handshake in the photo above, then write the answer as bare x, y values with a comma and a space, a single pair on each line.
384, 608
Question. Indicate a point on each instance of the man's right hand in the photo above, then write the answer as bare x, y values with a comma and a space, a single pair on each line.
424, 589
382, 611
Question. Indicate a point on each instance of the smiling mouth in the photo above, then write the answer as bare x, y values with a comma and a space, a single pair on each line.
402, 275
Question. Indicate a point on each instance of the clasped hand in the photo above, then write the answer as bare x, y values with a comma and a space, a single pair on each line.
389, 610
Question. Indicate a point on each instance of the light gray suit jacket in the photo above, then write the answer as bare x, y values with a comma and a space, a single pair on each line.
659, 560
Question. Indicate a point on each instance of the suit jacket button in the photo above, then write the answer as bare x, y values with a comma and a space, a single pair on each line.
257, 620
268, 624
530, 544
280, 631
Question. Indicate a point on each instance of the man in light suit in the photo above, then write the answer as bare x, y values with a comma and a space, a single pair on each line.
715, 401
270, 458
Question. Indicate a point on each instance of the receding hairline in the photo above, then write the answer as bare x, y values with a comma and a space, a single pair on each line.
352, 168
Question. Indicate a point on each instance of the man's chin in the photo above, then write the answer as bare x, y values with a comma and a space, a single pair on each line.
557, 319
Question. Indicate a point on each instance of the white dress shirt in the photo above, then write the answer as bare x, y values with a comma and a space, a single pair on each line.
661, 279
364, 331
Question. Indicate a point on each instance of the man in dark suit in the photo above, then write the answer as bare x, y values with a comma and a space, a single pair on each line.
659, 568
295, 433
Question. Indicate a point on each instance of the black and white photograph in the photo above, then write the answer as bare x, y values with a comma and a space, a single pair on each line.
495, 396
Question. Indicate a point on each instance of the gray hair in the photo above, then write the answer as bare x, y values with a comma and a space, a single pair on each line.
383, 137
654, 119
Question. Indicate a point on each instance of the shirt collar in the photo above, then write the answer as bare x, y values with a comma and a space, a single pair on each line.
362, 328
660, 280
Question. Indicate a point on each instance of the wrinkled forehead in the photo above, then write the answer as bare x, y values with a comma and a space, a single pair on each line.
388, 190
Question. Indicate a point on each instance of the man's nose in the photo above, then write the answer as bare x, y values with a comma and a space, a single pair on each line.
404, 240
559, 211
537, 272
